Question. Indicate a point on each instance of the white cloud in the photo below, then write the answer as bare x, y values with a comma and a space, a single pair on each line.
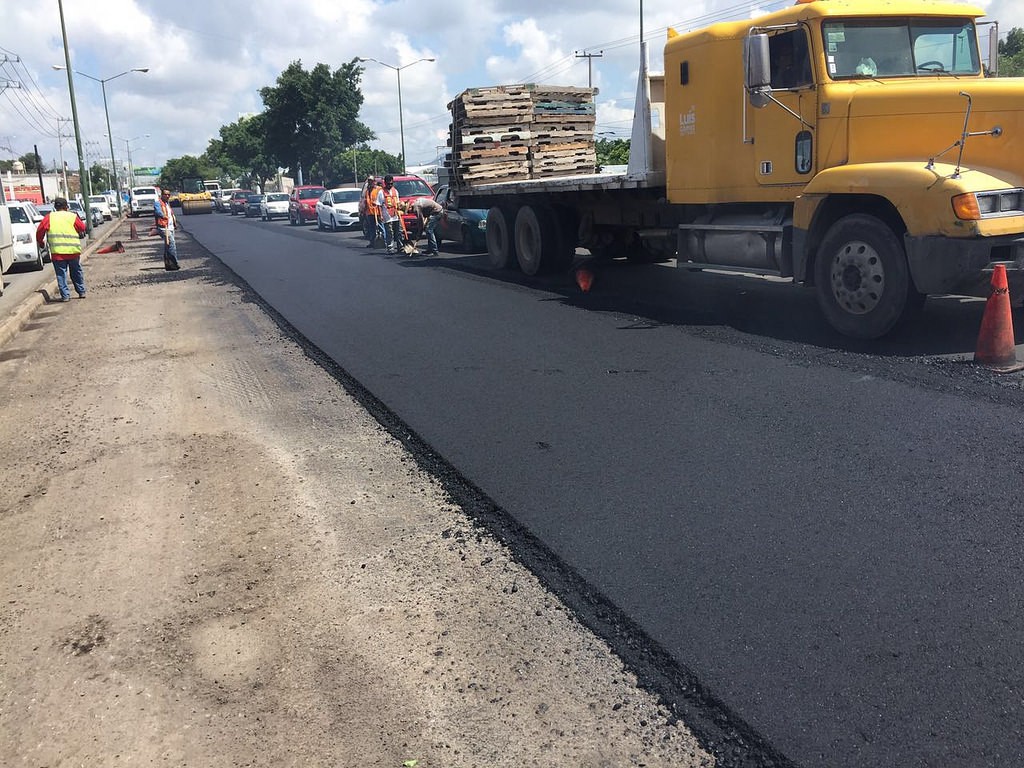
208, 59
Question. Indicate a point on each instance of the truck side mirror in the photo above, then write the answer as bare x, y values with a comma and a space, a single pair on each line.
758, 70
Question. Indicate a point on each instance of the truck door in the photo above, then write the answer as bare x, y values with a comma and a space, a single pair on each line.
783, 134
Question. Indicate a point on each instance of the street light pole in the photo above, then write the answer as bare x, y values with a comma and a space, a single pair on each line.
401, 124
74, 117
103, 86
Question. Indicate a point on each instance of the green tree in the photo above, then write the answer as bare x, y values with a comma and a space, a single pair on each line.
354, 165
100, 178
612, 151
188, 166
244, 144
1011, 54
311, 118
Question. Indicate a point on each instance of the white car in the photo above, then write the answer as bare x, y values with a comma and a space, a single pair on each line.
100, 202
339, 209
23, 229
274, 204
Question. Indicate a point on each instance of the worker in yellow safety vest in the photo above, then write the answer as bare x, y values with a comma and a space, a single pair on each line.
62, 231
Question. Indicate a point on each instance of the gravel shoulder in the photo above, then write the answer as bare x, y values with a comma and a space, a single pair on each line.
211, 555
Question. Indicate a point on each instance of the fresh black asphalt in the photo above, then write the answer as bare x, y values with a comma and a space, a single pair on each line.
829, 540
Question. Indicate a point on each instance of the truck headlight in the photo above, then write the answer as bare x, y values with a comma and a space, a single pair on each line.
981, 205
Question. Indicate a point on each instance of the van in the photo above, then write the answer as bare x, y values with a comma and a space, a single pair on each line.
142, 201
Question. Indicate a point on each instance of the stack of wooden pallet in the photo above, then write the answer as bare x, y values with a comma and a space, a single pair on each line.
510, 132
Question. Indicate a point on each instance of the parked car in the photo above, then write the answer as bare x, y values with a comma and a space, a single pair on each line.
100, 202
222, 202
274, 204
338, 209
302, 203
465, 226
239, 199
252, 205
141, 201
23, 231
409, 188
77, 208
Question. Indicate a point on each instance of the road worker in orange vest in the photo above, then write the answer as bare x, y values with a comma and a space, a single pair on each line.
63, 231
166, 222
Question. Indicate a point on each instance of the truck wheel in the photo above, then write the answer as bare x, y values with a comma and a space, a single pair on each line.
862, 277
501, 249
536, 239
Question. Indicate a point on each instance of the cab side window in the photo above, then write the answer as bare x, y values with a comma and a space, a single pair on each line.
790, 60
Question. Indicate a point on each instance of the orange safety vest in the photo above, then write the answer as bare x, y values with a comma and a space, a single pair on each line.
391, 201
62, 237
164, 215
372, 208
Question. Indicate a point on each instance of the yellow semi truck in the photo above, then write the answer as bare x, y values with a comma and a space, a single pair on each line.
855, 146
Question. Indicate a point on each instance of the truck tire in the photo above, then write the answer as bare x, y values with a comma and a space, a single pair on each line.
501, 249
862, 277
537, 239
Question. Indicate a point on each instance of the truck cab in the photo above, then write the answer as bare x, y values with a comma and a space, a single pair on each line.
866, 153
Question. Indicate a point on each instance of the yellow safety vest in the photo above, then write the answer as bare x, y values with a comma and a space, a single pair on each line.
62, 235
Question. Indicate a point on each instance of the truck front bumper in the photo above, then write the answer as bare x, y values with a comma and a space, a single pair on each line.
964, 266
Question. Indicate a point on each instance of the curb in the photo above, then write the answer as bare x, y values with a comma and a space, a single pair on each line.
12, 324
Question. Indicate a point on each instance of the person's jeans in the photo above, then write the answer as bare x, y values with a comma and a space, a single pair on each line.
170, 249
61, 267
394, 230
432, 222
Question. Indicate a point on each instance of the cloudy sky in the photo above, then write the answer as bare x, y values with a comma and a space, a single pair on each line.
208, 59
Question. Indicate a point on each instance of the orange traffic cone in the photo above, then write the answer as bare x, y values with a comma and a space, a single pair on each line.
117, 247
584, 279
996, 349
135, 233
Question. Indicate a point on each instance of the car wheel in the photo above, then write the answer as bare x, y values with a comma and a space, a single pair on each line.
319, 223
38, 265
334, 224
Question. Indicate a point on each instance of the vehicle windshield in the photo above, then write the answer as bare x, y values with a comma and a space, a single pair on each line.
255, 198
346, 196
277, 197
309, 194
192, 186
98, 199
74, 205
144, 191
19, 215
859, 48
413, 188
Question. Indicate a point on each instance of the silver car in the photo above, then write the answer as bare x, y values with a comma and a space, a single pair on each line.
274, 205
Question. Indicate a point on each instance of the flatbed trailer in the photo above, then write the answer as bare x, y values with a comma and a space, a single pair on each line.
876, 183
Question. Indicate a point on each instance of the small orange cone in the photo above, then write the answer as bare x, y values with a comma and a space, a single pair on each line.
135, 232
996, 349
117, 247
584, 279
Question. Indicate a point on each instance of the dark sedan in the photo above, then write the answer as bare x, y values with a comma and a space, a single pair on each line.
465, 226
252, 206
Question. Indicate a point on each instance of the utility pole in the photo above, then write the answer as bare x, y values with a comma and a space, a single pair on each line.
590, 60
39, 171
60, 148
74, 118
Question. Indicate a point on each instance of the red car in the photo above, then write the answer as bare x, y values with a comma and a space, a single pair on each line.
302, 203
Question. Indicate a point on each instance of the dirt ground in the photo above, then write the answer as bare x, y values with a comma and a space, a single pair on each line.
211, 555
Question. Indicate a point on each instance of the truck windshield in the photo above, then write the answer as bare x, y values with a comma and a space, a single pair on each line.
859, 48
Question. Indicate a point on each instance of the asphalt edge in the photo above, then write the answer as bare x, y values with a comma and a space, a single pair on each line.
18, 318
